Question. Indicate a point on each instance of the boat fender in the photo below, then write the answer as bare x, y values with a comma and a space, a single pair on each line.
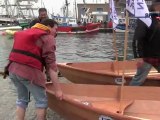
70, 32
102, 117
119, 81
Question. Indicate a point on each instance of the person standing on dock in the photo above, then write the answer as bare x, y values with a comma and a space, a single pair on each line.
33, 50
42, 15
146, 46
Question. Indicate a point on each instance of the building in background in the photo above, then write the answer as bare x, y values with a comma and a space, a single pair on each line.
94, 12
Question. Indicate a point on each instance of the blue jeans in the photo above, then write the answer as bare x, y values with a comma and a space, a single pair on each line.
25, 86
141, 75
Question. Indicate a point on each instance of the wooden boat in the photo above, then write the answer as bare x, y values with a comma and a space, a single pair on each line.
104, 72
101, 102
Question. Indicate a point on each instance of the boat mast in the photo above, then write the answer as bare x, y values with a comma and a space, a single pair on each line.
84, 2
76, 10
6, 7
41, 3
65, 10
66, 4
86, 10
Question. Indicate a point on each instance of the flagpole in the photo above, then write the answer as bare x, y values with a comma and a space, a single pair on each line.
115, 49
114, 45
114, 18
124, 62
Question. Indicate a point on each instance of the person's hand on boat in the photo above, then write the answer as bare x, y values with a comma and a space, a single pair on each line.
140, 62
54, 79
59, 94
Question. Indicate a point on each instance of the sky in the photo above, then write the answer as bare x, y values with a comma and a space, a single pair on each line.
56, 5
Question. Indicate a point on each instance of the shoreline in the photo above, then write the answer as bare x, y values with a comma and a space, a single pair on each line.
8, 105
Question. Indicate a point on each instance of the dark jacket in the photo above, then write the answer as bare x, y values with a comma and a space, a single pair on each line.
146, 41
33, 22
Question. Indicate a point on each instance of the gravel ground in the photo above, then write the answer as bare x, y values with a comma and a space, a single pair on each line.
8, 106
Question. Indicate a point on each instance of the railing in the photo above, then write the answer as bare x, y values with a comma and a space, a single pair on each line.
6, 19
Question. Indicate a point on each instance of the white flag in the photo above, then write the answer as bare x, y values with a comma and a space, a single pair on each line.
113, 14
140, 10
130, 6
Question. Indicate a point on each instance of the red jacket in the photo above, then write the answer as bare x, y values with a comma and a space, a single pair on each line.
25, 50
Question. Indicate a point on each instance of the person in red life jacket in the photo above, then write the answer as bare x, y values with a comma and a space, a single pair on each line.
33, 50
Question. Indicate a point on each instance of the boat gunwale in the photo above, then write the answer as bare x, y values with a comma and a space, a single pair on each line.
113, 74
87, 71
99, 111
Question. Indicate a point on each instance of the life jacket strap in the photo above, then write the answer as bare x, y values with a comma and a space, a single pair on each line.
28, 54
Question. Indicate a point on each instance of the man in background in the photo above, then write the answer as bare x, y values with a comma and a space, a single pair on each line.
42, 15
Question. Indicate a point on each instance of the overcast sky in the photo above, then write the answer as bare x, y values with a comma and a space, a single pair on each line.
56, 5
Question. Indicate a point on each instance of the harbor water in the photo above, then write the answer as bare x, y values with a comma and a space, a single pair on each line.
69, 48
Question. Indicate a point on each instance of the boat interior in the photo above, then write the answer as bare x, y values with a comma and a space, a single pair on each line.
134, 102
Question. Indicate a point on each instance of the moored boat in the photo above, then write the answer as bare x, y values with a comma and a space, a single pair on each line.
101, 102
9, 30
104, 72
72, 25
88, 28
10, 27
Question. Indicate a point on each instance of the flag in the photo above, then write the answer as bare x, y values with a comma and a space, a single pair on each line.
140, 10
113, 14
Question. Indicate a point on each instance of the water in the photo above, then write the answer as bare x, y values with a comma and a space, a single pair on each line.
91, 47
78, 48
5, 48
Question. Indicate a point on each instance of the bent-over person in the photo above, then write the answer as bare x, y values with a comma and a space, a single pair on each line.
33, 51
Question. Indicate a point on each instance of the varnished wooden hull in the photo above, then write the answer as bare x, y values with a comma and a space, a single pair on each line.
104, 72
94, 102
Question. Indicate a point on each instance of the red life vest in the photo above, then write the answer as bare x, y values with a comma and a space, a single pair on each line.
25, 50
